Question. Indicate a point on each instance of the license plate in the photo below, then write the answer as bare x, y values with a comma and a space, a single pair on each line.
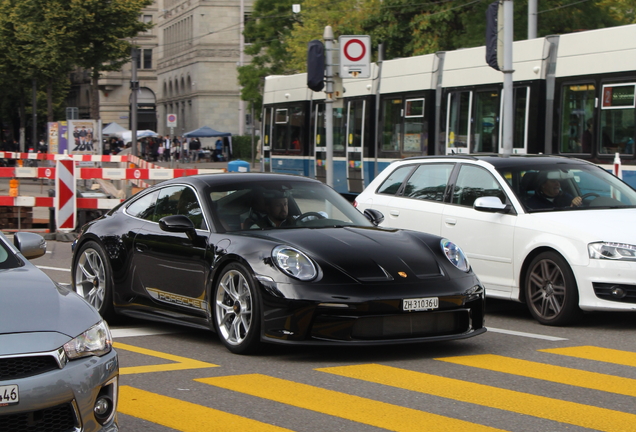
420, 304
9, 395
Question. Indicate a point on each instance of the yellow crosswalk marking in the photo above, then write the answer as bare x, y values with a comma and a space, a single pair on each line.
181, 363
342, 405
184, 416
587, 416
606, 355
546, 372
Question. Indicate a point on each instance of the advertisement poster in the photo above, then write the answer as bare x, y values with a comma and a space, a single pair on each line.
83, 137
62, 137
53, 128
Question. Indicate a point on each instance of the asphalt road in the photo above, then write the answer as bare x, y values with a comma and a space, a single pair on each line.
519, 376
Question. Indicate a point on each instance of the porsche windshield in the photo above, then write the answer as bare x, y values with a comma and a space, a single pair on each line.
282, 204
566, 186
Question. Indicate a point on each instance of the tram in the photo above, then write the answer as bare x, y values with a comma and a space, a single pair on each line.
573, 95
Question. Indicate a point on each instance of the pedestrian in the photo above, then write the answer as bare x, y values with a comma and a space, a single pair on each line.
218, 150
195, 147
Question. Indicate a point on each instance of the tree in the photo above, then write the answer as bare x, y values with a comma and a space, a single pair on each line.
267, 31
101, 28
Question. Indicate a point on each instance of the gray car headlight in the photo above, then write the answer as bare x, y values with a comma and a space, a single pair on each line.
294, 263
612, 251
96, 341
455, 255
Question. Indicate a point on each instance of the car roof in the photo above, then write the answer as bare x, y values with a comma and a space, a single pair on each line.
203, 180
502, 161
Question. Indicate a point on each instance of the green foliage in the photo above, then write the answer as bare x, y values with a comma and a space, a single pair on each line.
242, 147
267, 31
46, 39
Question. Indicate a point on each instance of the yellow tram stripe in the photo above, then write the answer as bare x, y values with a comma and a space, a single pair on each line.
546, 372
523, 403
342, 405
625, 358
184, 416
181, 363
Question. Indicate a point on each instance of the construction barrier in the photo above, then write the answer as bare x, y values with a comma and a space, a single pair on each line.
65, 202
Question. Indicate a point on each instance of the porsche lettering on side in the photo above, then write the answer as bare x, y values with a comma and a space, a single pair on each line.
274, 258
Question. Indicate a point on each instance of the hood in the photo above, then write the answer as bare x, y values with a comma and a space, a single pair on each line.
365, 254
588, 225
30, 302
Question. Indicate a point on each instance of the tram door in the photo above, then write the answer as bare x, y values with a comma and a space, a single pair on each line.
355, 147
266, 160
320, 143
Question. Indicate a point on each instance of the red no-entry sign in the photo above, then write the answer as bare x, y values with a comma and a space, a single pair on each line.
355, 56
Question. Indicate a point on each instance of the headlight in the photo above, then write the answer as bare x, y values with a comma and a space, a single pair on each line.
294, 263
455, 255
612, 251
96, 341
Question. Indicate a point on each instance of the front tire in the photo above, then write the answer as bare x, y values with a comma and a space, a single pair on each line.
551, 291
237, 316
92, 278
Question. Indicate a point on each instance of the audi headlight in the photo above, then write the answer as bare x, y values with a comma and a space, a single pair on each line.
96, 341
294, 263
612, 251
455, 255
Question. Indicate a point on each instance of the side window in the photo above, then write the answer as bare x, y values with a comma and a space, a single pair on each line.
393, 182
428, 182
179, 200
144, 207
475, 182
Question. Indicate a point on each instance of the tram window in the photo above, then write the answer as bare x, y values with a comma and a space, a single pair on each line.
485, 132
428, 182
339, 132
297, 133
392, 115
320, 136
355, 128
577, 112
415, 132
617, 119
267, 128
458, 118
281, 116
522, 95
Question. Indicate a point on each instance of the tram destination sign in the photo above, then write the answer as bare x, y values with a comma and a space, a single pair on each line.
355, 56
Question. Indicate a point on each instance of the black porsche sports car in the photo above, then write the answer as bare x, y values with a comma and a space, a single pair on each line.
274, 258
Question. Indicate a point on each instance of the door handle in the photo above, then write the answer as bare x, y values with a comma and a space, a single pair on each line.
394, 213
451, 221
141, 247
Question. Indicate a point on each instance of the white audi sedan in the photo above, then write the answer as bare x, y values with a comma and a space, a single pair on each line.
555, 233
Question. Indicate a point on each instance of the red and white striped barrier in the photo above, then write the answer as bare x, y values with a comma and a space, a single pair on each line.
65, 195
108, 173
56, 157
82, 203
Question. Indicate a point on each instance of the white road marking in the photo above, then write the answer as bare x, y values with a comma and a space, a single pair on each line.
54, 268
523, 334
138, 331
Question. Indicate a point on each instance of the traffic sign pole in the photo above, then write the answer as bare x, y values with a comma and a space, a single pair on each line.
328, 37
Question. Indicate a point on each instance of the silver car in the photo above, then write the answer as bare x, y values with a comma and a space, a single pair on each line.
58, 370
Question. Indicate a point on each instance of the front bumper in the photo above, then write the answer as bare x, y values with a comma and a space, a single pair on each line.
63, 399
376, 321
597, 280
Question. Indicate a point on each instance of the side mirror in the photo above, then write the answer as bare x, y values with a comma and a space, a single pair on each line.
491, 204
375, 216
31, 245
178, 224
